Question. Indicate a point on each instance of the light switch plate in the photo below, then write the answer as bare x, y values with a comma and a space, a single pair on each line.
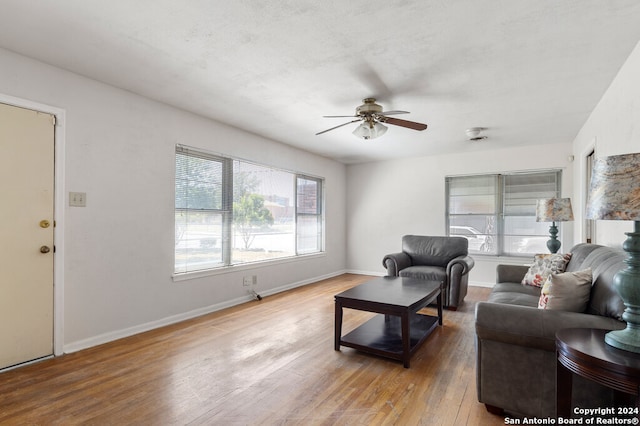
78, 199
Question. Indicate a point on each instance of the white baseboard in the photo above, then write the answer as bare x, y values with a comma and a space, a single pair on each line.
373, 273
291, 286
119, 334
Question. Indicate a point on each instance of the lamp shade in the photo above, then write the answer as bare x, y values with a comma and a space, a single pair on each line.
554, 210
614, 192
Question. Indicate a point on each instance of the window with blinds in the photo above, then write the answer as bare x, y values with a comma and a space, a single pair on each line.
473, 207
230, 212
522, 234
201, 210
309, 214
496, 212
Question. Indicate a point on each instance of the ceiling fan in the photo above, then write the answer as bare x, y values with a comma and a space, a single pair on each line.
372, 117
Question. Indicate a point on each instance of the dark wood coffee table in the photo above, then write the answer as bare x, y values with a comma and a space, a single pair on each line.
399, 329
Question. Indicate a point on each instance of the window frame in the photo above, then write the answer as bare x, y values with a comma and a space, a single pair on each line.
226, 211
500, 200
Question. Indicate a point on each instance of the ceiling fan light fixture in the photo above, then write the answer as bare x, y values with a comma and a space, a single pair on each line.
370, 130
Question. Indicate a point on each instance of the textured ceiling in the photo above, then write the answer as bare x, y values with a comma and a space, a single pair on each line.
530, 71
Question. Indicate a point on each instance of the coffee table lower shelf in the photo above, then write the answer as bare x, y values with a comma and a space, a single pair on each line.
382, 335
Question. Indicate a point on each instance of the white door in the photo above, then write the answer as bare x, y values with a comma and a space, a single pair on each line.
26, 230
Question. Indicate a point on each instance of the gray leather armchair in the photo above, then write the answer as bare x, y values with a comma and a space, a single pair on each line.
434, 258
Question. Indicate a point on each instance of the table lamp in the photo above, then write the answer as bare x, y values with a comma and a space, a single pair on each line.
614, 194
554, 210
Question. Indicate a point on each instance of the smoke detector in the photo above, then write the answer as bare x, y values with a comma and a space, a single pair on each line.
474, 133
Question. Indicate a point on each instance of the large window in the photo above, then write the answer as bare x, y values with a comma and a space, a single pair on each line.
496, 213
230, 212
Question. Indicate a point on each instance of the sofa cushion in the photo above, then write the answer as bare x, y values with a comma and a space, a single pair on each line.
568, 291
543, 266
515, 294
425, 272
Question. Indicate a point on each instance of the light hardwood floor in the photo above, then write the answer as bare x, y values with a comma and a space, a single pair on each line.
268, 362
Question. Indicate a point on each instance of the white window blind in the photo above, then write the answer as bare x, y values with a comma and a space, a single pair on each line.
473, 203
309, 214
522, 234
201, 210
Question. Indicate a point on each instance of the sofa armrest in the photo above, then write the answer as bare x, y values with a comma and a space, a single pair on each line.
532, 327
457, 281
510, 273
466, 262
396, 262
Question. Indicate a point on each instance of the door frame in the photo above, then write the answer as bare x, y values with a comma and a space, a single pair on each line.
584, 190
59, 212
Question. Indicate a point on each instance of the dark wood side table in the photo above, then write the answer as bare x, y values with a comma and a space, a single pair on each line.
583, 351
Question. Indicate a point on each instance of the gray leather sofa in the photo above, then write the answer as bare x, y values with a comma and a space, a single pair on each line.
434, 258
515, 341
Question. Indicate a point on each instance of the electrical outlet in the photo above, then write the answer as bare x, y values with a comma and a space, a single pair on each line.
250, 281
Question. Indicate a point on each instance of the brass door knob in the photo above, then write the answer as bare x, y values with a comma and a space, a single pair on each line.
44, 223
44, 249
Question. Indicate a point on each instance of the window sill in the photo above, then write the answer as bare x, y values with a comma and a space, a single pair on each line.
243, 267
503, 258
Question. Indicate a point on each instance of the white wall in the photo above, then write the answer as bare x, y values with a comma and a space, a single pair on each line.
120, 150
389, 199
612, 129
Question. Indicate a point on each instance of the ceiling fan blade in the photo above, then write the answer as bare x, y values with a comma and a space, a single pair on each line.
404, 123
349, 122
372, 81
338, 116
393, 112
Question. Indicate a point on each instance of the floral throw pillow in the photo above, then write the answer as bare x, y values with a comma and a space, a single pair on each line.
543, 266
